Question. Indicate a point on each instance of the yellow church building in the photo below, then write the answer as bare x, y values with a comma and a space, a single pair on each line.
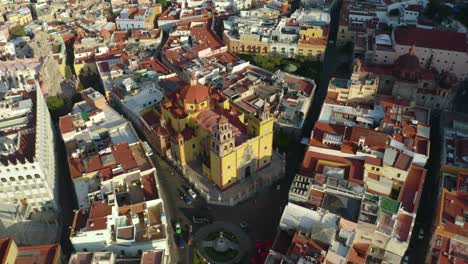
200, 128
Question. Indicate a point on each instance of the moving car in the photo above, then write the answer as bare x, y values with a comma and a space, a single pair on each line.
187, 199
192, 193
178, 228
421, 234
180, 242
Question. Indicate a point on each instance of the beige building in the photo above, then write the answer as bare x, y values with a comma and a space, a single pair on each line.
22, 16
362, 86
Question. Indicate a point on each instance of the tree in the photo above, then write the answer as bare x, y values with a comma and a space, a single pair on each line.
68, 73
431, 8
56, 105
18, 31
163, 3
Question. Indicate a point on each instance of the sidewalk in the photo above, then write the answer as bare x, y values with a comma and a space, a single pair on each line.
241, 191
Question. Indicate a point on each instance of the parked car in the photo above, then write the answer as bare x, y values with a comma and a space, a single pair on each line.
202, 220
187, 199
421, 234
178, 228
192, 194
180, 242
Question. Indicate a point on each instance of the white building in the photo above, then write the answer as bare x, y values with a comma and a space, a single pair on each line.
28, 171
435, 48
125, 230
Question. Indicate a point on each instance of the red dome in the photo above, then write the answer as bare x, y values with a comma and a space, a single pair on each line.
407, 66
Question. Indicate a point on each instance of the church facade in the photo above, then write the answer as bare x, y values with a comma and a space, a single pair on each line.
201, 129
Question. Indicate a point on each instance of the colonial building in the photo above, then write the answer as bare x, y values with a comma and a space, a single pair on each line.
199, 127
407, 79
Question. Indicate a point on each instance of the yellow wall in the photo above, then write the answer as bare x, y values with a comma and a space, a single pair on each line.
235, 45
265, 150
215, 167
20, 19
228, 169
149, 21
311, 32
311, 50
11, 254
373, 169
344, 35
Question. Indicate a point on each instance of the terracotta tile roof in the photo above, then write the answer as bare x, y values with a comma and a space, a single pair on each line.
375, 140
354, 169
374, 161
99, 209
453, 204
76, 167
403, 227
431, 38
149, 187
403, 161
410, 194
321, 129
42, 254
155, 65
151, 257
194, 93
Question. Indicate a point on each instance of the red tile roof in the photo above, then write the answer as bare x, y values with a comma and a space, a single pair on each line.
42, 254
149, 187
403, 227
151, 257
410, 194
354, 169
431, 38
374, 161
194, 94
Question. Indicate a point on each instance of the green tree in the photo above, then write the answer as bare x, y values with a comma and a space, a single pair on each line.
163, 3
68, 73
56, 105
431, 8
18, 31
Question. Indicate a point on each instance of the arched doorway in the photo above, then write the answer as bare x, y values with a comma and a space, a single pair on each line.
248, 172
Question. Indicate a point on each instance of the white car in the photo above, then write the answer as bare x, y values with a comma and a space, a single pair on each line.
192, 193
421, 234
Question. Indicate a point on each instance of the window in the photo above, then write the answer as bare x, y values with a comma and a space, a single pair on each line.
439, 241
36, 176
398, 175
21, 178
193, 146
12, 179
29, 177
4, 180
266, 147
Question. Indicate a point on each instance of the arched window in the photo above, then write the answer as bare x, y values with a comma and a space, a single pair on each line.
12, 179
225, 147
21, 178
4, 180
36, 176
29, 177
224, 137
